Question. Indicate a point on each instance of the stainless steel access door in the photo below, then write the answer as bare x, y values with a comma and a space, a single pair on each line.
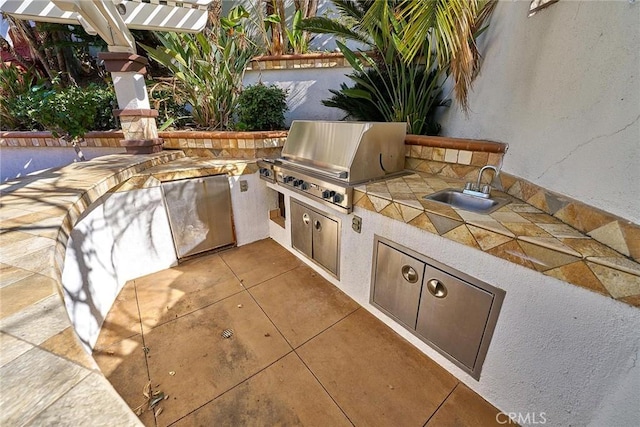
200, 214
316, 235
397, 284
453, 315
325, 242
301, 228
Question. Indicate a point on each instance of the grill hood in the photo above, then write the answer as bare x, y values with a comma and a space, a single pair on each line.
352, 152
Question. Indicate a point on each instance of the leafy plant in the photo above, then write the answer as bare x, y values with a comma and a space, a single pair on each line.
414, 98
208, 68
262, 107
448, 29
407, 36
399, 91
13, 83
270, 25
170, 111
66, 112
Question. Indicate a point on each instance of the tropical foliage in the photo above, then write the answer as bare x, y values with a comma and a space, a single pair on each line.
408, 39
378, 95
407, 91
270, 20
208, 68
443, 32
14, 82
60, 51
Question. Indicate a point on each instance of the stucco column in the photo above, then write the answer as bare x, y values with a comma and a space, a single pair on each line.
136, 116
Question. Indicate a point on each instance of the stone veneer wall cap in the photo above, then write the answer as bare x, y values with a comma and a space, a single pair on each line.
316, 55
139, 112
457, 143
224, 134
124, 62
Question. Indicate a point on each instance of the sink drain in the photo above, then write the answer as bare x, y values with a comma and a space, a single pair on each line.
227, 333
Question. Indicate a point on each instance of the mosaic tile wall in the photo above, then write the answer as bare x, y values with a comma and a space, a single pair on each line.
45, 139
461, 158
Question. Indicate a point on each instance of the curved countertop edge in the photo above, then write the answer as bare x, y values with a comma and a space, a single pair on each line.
46, 374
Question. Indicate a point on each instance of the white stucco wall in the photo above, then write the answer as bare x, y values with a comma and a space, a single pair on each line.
562, 88
16, 162
127, 235
251, 208
557, 349
307, 87
123, 236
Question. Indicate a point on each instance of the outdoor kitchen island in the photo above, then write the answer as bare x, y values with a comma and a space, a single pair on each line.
544, 322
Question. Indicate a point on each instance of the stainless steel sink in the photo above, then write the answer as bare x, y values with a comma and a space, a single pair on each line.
457, 199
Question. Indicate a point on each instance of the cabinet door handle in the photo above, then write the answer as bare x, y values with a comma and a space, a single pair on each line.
317, 225
306, 219
409, 274
436, 288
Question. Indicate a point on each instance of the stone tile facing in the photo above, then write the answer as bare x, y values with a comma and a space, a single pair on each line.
520, 232
87, 400
32, 382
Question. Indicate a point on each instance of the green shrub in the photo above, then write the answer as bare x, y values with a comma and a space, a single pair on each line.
261, 107
68, 112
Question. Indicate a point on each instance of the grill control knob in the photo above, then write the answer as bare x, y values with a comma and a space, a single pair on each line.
265, 172
338, 198
327, 194
287, 179
304, 186
297, 182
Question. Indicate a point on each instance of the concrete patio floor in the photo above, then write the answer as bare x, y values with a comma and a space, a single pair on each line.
301, 352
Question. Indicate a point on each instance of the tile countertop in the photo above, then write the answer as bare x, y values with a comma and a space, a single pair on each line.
517, 232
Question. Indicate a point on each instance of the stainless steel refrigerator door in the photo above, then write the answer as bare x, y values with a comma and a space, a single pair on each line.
200, 214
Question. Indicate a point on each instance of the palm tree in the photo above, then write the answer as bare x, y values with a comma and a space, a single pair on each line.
449, 29
386, 86
350, 26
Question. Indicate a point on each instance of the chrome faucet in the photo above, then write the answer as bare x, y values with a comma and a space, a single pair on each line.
478, 189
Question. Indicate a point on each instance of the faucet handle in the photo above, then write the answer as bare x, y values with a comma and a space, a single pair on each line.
486, 189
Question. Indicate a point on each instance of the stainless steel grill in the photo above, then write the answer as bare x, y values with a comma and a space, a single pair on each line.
325, 160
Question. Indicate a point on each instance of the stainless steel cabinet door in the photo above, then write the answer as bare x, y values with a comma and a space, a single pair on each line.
316, 236
301, 228
453, 315
199, 212
325, 242
398, 280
